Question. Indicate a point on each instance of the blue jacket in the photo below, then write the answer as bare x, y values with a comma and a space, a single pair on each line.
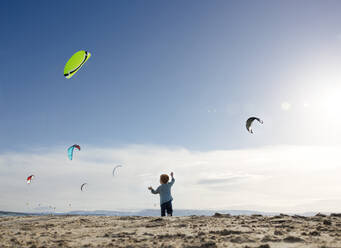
165, 191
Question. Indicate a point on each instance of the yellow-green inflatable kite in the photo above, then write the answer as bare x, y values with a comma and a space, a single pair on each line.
75, 63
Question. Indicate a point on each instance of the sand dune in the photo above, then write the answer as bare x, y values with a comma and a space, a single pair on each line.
189, 232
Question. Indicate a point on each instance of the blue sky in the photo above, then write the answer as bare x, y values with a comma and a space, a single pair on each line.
158, 69
175, 78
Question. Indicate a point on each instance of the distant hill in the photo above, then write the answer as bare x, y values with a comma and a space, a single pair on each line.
7, 213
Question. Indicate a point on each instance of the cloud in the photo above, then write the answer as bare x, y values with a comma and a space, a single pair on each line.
280, 178
225, 179
43, 208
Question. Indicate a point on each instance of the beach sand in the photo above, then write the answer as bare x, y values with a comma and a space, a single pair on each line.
189, 232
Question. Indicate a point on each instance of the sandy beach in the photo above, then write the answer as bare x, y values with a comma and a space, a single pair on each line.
191, 232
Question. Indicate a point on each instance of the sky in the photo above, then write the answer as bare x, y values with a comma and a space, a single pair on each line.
169, 87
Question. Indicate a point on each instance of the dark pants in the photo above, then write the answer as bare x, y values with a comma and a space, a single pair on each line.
167, 206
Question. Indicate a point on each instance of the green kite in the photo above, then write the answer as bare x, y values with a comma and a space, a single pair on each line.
75, 63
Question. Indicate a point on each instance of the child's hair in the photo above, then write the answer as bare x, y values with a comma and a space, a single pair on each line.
164, 178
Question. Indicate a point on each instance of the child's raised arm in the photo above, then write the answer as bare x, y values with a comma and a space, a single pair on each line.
173, 180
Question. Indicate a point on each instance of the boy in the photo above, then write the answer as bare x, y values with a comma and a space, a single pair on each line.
165, 194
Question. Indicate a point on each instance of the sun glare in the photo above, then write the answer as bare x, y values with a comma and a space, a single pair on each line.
320, 85
285, 106
331, 102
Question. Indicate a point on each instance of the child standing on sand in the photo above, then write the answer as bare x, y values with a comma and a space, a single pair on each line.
165, 194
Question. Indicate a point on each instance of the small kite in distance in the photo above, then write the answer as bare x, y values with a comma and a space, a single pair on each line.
83, 186
29, 179
75, 63
70, 150
250, 121
113, 172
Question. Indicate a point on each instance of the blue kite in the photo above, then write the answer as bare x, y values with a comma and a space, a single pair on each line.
70, 150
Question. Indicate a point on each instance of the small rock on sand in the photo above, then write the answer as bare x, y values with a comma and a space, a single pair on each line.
314, 233
264, 246
219, 215
320, 215
292, 239
327, 222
